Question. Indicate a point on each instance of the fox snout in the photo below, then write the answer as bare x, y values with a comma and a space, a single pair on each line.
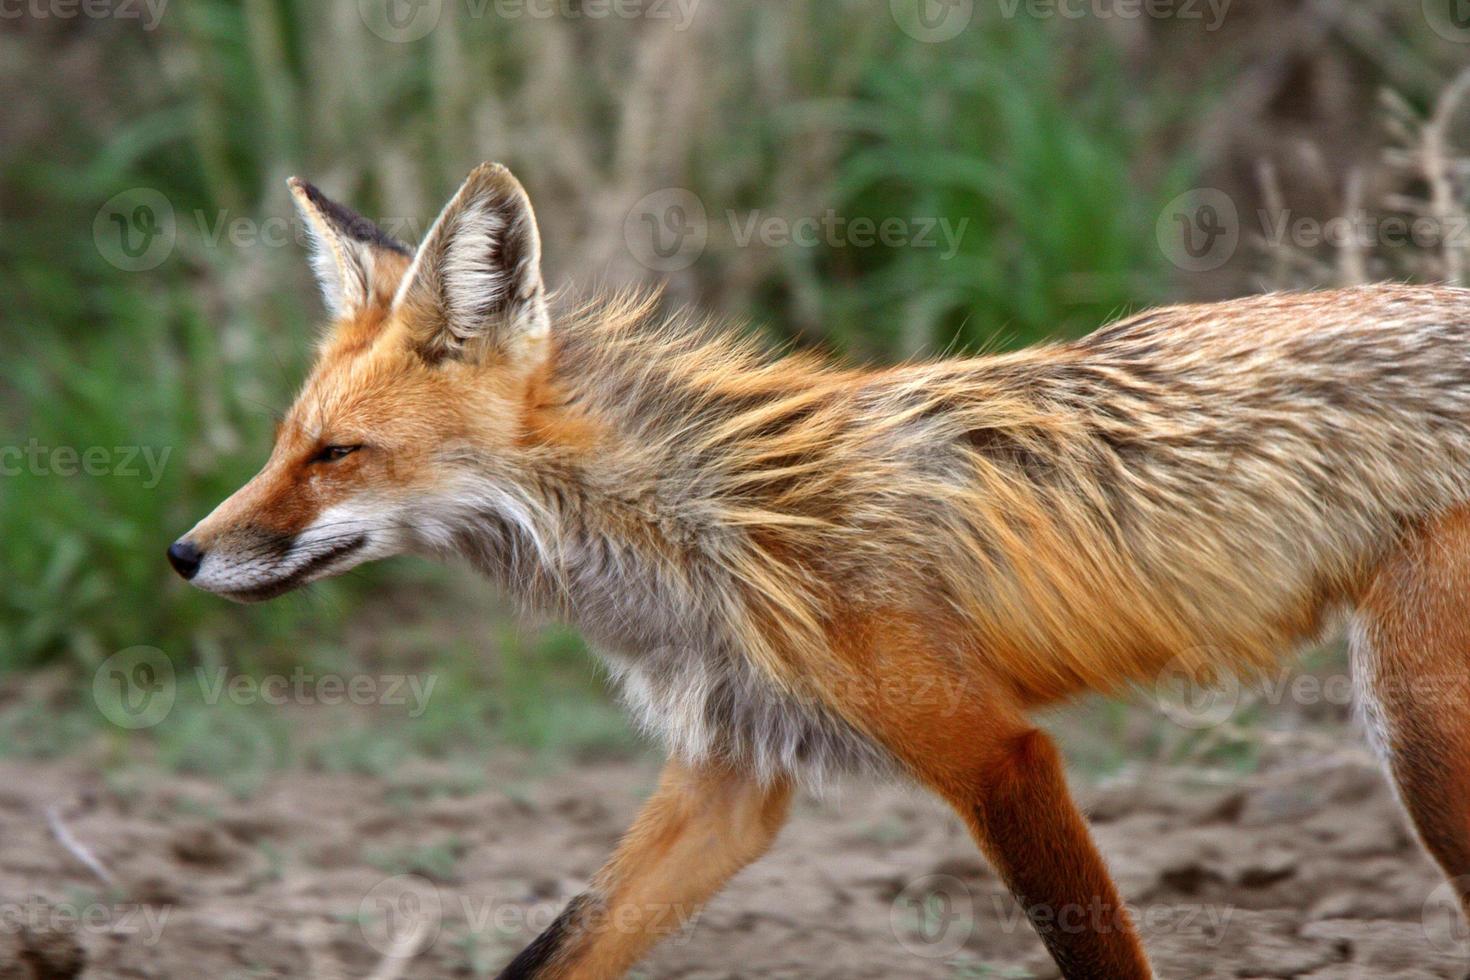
295, 522
252, 564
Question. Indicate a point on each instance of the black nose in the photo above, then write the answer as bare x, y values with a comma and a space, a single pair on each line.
185, 558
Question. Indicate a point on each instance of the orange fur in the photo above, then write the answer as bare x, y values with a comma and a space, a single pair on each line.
1411, 653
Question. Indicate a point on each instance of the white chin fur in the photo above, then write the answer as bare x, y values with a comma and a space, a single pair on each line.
341, 538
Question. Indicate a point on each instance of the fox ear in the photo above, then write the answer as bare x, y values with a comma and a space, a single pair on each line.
349, 252
475, 283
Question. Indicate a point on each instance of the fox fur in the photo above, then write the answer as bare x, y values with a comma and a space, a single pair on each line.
1080, 514
772, 552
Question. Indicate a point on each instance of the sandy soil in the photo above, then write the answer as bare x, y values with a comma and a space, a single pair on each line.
1306, 872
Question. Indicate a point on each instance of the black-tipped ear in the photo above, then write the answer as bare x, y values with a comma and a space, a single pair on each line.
346, 249
476, 280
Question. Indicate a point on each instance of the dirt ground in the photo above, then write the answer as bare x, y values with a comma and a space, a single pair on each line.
1301, 872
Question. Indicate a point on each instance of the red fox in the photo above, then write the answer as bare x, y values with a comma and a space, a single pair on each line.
796, 570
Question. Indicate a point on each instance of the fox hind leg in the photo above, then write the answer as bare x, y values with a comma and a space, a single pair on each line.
1023, 817
1410, 649
1005, 779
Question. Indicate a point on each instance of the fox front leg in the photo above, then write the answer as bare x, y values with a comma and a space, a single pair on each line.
701, 826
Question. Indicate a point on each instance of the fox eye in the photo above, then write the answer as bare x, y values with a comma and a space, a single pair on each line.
333, 453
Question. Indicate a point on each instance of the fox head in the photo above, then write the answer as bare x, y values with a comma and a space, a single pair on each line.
419, 392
